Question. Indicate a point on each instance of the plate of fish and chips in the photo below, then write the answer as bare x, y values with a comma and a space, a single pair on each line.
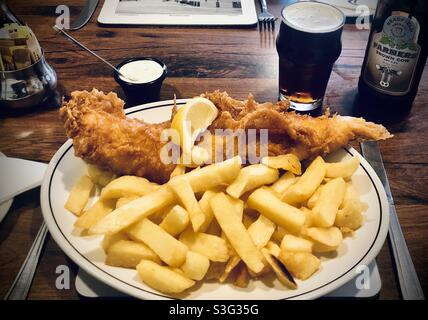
299, 224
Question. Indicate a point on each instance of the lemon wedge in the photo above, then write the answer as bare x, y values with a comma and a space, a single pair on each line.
190, 120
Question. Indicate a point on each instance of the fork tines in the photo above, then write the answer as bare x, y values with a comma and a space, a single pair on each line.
267, 23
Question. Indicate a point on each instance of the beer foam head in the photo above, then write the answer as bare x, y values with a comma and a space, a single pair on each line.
313, 17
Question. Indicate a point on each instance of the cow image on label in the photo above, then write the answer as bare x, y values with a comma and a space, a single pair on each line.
386, 75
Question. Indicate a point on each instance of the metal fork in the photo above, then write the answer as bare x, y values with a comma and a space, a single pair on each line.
266, 19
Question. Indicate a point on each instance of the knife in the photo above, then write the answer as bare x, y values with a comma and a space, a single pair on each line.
19, 175
9, 14
406, 273
85, 15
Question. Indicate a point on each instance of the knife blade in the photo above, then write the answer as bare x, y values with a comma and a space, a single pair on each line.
85, 15
19, 175
406, 273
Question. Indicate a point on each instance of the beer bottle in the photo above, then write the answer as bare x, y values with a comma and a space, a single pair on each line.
395, 58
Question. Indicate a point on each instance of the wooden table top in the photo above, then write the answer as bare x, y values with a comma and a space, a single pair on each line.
199, 59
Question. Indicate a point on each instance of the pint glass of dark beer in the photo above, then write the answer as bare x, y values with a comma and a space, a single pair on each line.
308, 44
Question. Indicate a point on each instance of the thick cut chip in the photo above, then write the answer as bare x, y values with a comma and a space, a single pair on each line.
303, 189
161, 278
238, 205
95, 213
273, 248
283, 183
196, 265
79, 195
309, 214
128, 254
236, 233
122, 201
133, 211
252, 177
178, 171
214, 175
314, 198
301, 264
127, 186
288, 162
277, 211
111, 238
325, 239
349, 216
204, 203
261, 231
175, 221
330, 198
292, 243
213, 247
99, 176
351, 195
169, 249
279, 234
343, 169
185, 194
203, 179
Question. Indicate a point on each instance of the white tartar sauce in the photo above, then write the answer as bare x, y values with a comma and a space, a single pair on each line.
141, 71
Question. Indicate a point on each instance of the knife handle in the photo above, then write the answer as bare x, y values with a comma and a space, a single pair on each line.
22, 283
407, 277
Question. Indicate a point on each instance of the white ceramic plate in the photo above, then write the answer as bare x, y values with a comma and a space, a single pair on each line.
4, 206
64, 169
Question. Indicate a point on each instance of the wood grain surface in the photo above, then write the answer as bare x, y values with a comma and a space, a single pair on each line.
240, 61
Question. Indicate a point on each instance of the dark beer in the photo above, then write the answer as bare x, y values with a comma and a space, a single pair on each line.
395, 59
308, 44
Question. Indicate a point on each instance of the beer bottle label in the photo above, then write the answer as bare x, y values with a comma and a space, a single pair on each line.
393, 55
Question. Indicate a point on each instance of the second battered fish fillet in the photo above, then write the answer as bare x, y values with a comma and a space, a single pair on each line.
290, 132
103, 136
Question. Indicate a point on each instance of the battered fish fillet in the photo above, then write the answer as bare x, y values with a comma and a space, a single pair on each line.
290, 132
103, 136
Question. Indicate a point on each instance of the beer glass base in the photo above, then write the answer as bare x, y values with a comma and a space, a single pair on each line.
303, 107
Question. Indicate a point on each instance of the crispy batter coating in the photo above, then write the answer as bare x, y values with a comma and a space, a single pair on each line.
102, 135
290, 132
